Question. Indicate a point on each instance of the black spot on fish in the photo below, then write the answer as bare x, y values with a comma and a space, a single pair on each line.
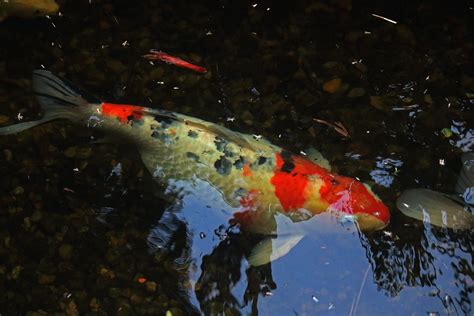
208, 152
223, 166
192, 134
239, 163
228, 153
220, 144
262, 160
165, 122
334, 182
240, 192
161, 136
288, 164
137, 123
192, 156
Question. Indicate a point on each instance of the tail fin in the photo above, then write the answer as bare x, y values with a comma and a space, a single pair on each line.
57, 97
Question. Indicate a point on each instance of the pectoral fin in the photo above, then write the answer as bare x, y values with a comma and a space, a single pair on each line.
434, 208
271, 249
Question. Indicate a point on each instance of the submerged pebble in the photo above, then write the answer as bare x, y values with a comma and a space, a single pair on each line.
7, 153
66, 251
4, 119
332, 86
356, 92
45, 279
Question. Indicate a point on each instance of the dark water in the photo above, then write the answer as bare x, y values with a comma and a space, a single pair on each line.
78, 220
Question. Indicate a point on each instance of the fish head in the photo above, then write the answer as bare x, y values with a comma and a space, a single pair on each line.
351, 198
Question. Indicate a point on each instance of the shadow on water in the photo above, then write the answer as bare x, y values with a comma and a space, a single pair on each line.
84, 229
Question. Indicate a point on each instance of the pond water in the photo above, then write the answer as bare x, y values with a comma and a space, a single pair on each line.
81, 223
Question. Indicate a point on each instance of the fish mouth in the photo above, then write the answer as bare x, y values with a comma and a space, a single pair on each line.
367, 222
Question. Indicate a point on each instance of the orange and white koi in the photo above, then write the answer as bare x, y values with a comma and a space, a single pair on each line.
253, 177
159, 55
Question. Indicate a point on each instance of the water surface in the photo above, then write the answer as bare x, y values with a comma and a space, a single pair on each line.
79, 221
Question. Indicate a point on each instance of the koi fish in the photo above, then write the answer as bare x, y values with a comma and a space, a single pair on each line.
159, 55
443, 210
27, 8
259, 182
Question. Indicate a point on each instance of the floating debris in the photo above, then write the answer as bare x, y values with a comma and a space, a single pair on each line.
337, 126
159, 55
384, 18
446, 132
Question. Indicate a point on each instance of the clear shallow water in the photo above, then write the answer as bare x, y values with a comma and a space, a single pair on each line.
75, 235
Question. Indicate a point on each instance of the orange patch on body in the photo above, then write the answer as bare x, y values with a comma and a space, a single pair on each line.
249, 200
248, 205
290, 186
172, 131
247, 172
122, 112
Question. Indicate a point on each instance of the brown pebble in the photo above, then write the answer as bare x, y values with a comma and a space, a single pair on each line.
94, 304
356, 92
4, 119
332, 86
45, 279
66, 251
377, 102
151, 286
18, 190
136, 299
8, 154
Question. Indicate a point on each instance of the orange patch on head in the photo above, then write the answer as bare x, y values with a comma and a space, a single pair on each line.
350, 196
122, 112
342, 194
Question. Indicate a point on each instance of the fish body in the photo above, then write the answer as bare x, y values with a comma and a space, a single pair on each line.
256, 179
252, 174
27, 8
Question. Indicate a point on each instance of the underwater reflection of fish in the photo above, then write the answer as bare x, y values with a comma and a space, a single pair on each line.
27, 8
440, 209
249, 178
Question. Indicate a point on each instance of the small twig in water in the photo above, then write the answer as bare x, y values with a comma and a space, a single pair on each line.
355, 305
384, 18
338, 127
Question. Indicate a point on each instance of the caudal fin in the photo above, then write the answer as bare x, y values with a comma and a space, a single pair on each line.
58, 98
